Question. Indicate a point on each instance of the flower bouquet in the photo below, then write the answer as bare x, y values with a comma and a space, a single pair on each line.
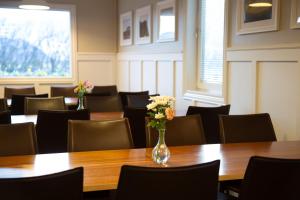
81, 89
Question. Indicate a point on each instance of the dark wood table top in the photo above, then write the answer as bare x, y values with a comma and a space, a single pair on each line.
102, 168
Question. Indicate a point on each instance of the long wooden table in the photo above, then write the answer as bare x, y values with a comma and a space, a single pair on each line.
69, 101
102, 168
94, 116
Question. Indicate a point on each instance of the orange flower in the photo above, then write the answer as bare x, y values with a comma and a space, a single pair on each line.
169, 113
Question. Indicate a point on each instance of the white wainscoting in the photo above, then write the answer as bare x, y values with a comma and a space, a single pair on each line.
158, 73
266, 80
99, 68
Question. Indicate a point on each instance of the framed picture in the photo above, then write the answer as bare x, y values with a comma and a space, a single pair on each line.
295, 14
166, 14
257, 19
126, 29
143, 25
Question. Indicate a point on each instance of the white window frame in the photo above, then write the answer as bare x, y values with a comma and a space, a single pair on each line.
209, 88
73, 63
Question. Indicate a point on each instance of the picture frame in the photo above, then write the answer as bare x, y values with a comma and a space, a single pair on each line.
126, 29
257, 19
166, 16
143, 26
295, 14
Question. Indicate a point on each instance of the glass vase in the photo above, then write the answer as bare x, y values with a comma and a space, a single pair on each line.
161, 153
80, 103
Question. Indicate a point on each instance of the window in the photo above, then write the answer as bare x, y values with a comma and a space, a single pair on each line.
211, 44
35, 44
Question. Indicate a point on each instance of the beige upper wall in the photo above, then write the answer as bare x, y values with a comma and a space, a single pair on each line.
154, 47
285, 35
96, 24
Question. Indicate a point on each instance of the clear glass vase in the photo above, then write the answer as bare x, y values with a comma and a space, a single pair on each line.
80, 103
161, 153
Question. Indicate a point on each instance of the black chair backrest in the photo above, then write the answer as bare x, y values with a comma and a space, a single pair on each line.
103, 103
247, 128
183, 130
62, 91
18, 102
138, 101
52, 129
8, 91
3, 104
91, 135
136, 117
210, 120
5, 117
123, 96
109, 89
17, 139
62, 185
189, 182
33, 105
271, 178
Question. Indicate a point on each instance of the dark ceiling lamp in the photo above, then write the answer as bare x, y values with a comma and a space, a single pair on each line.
34, 5
260, 3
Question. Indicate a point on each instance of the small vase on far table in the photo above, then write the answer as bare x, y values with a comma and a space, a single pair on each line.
161, 153
80, 102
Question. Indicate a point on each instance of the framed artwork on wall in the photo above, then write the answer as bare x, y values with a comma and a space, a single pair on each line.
166, 15
295, 14
143, 25
253, 17
126, 29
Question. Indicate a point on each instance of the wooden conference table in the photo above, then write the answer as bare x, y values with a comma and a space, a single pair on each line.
102, 168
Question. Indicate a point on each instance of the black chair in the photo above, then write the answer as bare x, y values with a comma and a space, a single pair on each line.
138, 101
17, 139
189, 182
210, 120
18, 102
3, 104
84, 135
62, 185
183, 130
109, 90
103, 103
33, 105
247, 128
271, 178
52, 129
136, 117
123, 96
62, 91
5, 117
9, 91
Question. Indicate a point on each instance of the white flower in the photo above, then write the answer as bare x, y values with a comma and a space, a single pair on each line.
159, 116
151, 106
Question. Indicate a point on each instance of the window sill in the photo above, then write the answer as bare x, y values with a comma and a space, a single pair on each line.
204, 97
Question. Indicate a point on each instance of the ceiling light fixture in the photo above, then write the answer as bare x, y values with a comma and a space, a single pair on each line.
34, 5
260, 3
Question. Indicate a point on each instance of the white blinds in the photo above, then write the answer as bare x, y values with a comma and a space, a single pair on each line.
211, 41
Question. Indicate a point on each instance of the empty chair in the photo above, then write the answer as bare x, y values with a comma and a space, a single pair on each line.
189, 182
247, 128
138, 101
3, 104
5, 117
8, 91
52, 129
123, 96
17, 139
18, 102
99, 135
103, 103
108, 90
210, 120
63, 185
33, 105
184, 130
62, 91
136, 118
271, 178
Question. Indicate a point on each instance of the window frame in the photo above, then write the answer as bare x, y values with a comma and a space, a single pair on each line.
73, 62
210, 88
